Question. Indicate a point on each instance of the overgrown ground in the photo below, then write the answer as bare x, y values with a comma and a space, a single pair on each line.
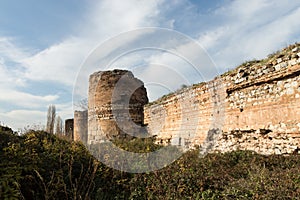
39, 165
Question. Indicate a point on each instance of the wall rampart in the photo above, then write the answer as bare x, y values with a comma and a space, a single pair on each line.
256, 98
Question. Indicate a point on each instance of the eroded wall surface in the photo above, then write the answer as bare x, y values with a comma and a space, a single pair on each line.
258, 98
116, 101
184, 118
81, 126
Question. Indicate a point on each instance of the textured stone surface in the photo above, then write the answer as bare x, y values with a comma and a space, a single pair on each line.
80, 126
255, 107
262, 141
116, 100
255, 96
184, 118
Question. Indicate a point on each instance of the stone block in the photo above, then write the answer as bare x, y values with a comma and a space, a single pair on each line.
295, 49
292, 62
279, 60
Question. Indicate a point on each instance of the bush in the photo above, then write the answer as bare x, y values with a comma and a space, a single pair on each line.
39, 165
235, 175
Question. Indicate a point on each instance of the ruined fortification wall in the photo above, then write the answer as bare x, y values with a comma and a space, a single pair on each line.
255, 107
184, 118
116, 100
258, 101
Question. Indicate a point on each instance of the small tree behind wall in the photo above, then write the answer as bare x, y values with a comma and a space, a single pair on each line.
51, 115
81, 105
59, 126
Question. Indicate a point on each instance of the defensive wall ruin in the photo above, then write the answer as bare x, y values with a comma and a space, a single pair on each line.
255, 107
116, 101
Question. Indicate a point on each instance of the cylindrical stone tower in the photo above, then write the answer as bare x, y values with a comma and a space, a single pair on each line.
116, 101
80, 126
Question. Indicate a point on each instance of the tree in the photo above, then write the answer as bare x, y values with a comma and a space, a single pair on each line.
82, 104
51, 119
59, 126
183, 86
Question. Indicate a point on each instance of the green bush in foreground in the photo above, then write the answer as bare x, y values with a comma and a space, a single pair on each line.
235, 175
39, 165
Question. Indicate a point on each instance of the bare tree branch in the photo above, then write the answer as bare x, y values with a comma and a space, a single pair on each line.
82, 104
59, 126
51, 119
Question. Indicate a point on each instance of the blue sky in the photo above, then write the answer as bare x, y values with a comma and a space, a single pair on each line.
43, 44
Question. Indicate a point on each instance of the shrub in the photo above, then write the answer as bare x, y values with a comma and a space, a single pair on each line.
39, 165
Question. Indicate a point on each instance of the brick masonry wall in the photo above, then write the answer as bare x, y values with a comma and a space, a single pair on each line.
80, 126
185, 117
116, 100
259, 101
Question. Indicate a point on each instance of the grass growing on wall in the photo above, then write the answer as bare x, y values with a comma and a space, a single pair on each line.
39, 165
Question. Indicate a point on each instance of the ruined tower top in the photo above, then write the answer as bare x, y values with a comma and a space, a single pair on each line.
116, 101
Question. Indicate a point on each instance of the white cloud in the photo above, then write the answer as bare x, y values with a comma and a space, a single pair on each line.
251, 29
189, 59
110, 17
25, 99
19, 119
10, 69
8, 51
28, 118
58, 63
61, 62
12, 78
65, 110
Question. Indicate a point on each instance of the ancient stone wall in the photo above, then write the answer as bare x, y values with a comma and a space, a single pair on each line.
183, 118
116, 100
80, 126
254, 98
255, 106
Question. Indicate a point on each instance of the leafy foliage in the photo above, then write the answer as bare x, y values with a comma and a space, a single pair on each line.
235, 175
39, 165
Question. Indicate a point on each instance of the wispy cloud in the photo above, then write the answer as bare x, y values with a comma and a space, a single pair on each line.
251, 29
60, 62
19, 119
11, 69
25, 99
11, 52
